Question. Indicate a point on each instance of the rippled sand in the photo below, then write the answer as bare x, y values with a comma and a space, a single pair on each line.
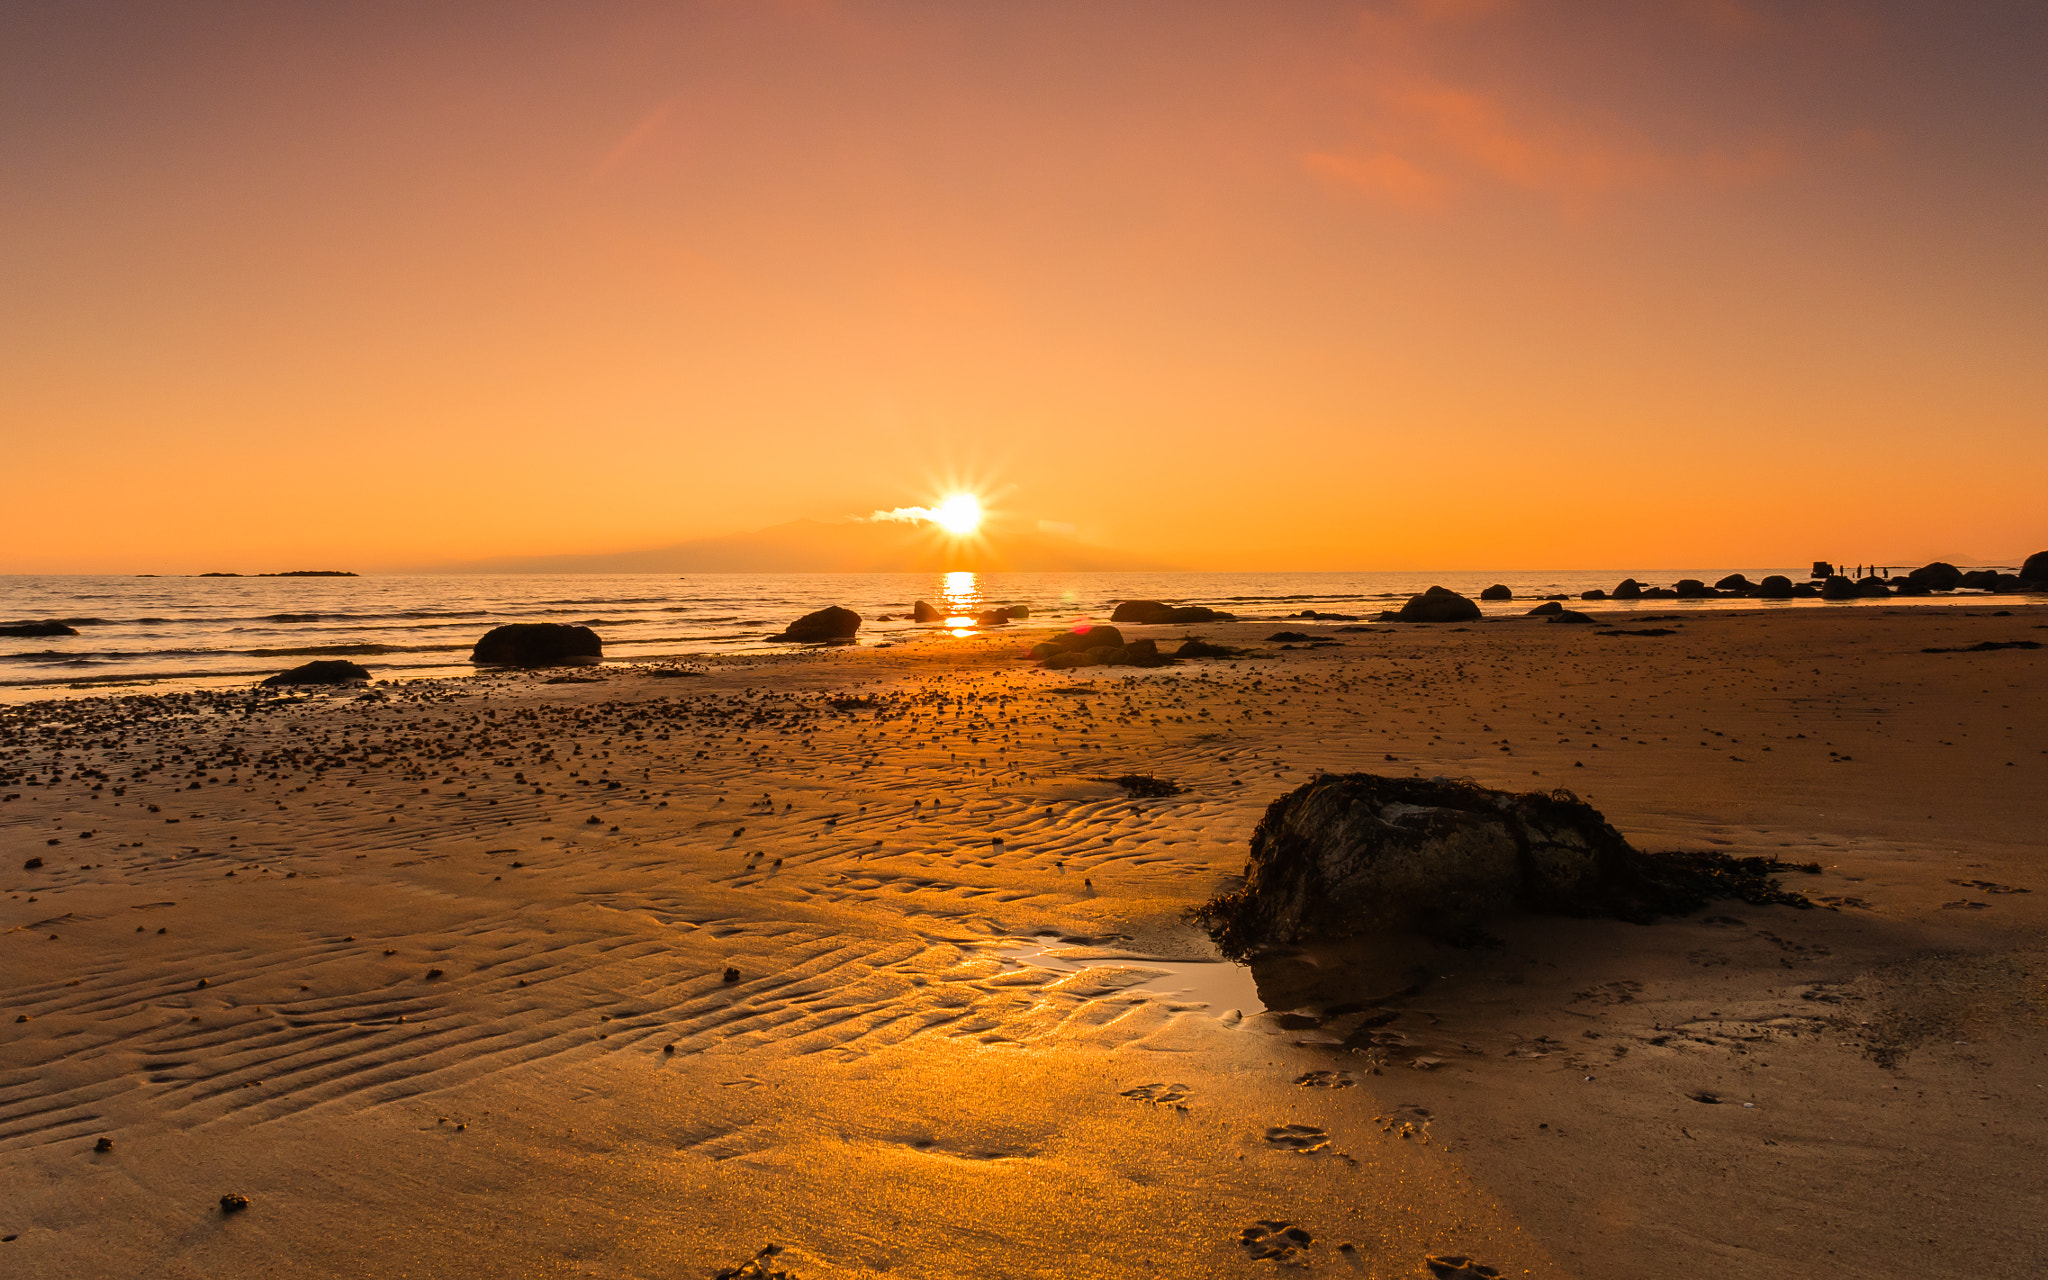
858, 953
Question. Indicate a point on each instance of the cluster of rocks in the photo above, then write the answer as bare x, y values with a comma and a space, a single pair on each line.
1157, 613
1348, 855
1097, 646
1927, 579
925, 611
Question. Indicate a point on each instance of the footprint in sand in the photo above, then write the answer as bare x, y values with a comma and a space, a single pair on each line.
1326, 1080
1302, 1139
1282, 1242
1160, 1095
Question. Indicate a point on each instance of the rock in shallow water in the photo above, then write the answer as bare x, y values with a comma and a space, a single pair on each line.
537, 644
1439, 604
1354, 854
828, 625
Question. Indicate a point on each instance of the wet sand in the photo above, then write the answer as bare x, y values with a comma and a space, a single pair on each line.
857, 953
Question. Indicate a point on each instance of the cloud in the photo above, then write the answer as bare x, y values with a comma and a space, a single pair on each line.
1383, 176
900, 515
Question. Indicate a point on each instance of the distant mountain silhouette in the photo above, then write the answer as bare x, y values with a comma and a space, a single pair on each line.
853, 546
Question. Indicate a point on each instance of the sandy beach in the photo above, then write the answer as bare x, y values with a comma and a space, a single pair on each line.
636, 971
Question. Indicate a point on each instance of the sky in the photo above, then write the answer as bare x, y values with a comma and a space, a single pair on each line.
1276, 285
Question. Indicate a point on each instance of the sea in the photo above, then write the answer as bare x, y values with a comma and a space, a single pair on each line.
170, 633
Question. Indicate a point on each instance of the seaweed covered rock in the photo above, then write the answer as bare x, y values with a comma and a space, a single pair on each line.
1439, 604
829, 625
1158, 613
1353, 854
326, 671
537, 644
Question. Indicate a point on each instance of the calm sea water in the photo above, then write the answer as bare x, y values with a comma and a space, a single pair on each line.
229, 630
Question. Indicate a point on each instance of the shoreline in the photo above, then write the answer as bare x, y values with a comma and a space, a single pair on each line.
397, 941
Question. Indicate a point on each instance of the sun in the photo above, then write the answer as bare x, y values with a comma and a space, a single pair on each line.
959, 514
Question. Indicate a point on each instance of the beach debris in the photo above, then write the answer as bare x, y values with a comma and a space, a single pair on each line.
1352, 854
537, 644
33, 864
233, 1203
1158, 613
829, 625
325, 671
1273, 1240
1439, 604
732, 974
103, 1145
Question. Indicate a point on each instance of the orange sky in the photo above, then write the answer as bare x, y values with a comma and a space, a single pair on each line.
1422, 283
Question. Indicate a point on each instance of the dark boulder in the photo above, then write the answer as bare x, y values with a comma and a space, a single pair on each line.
1568, 615
1548, 609
1805, 591
1775, 587
1080, 640
1195, 647
1157, 613
29, 630
1497, 592
327, 671
537, 644
1595, 594
1438, 604
1979, 580
1737, 583
992, 618
1628, 589
1351, 855
1325, 617
1291, 637
1938, 576
829, 625
922, 611
1691, 589
1017, 611
2034, 573
1908, 587
1872, 588
1656, 593
1837, 587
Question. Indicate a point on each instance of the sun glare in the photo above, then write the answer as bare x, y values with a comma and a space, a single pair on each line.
959, 514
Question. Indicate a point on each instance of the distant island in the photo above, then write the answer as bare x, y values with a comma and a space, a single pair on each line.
289, 573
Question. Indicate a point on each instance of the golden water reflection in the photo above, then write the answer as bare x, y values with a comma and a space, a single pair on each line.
960, 597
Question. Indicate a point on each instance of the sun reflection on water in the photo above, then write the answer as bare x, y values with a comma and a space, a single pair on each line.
960, 597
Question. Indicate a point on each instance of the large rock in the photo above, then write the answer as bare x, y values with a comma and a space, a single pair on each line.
326, 671
1628, 589
1498, 591
1938, 576
30, 630
1775, 587
1593, 594
537, 644
1548, 609
922, 611
1079, 640
1351, 855
1691, 589
1837, 587
1568, 615
829, 625
1736, 582
1872, 588
1439, 604
1358, 853
2034, 573
1158, 613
